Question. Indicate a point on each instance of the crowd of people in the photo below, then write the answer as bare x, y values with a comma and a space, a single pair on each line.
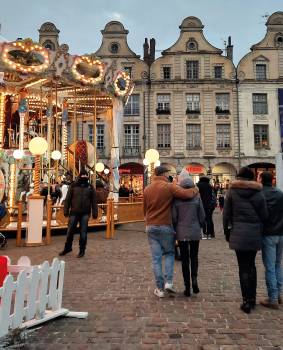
252, 221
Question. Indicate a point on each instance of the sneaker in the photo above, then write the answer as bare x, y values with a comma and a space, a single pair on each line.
159, 293
270, 304
209, 237
203, 237
170, 288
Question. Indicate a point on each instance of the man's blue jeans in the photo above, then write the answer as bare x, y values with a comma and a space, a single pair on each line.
72, 224
162, 242
272, 249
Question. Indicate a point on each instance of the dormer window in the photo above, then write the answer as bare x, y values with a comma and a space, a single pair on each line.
114, 48
260, 71
260, 65
192, 45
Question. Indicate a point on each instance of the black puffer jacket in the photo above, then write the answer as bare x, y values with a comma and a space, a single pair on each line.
274, 201
81, 200
245, 211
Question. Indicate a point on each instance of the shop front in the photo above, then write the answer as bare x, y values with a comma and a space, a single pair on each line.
196, 170
223, 174
260, 167
131, 179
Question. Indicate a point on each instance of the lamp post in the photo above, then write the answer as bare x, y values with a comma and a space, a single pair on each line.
56, 155
37, 146
151, 155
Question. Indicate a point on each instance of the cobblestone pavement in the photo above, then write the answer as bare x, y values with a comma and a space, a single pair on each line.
114, 283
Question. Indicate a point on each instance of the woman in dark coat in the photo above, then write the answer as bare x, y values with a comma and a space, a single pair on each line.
188, 217
244, 212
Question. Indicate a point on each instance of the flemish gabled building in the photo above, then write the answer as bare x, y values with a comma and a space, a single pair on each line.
260, 75
193, 105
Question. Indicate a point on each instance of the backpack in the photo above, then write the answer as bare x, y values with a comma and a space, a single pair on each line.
3, 210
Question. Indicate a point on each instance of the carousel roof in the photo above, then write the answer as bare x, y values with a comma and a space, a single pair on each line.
47, 77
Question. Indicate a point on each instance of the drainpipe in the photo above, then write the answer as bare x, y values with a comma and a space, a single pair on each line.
238, 118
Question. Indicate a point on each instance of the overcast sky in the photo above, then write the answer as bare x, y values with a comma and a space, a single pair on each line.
80, 21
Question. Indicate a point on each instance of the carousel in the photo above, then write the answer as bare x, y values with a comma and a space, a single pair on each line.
43, 95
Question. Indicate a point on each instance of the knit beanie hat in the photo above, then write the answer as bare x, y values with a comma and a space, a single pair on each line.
187, 182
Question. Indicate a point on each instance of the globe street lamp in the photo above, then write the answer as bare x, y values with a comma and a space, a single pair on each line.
152, 156
37, 146
99, 167
56, 155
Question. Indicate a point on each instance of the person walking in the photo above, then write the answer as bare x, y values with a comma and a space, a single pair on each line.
209, 203
188, 217
244, 212
272, 242
79, 203
157, 202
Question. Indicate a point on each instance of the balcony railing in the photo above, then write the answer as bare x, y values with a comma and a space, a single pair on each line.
163, 111
219, 110
132, 151
192, 111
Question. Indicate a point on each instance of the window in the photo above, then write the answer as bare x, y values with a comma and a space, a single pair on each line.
193, 136
223, 135
218, 72
167, 73
128, 70
260, 71
99, 135
192, 70
261, 136
260, 104
222, 103
133, 105
48, 44
163, 136
163, 104
131, 140
193, 103
80, 135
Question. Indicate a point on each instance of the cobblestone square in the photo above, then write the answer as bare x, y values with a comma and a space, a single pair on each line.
114, 283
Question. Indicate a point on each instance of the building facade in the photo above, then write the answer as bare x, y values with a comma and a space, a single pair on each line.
192, 104
260, 75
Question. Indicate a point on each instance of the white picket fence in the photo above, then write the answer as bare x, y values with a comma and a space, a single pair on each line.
34, 297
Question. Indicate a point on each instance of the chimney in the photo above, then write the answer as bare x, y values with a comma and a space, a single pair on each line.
146, 51
229, 48
152, 50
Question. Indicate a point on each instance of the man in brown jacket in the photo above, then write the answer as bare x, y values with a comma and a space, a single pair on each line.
157, 211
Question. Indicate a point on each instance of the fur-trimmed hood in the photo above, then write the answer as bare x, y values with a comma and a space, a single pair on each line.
246, 188
245, 184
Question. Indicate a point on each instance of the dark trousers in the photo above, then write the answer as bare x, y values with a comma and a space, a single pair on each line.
72, 224
189, 258
247, 274
208, 228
